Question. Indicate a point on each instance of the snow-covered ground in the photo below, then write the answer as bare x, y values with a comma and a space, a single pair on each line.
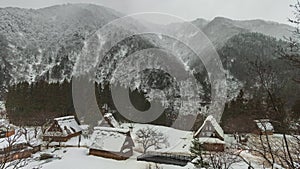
73, 142
78, 158
71, 156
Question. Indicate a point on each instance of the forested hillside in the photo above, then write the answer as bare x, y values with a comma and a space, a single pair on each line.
239, 55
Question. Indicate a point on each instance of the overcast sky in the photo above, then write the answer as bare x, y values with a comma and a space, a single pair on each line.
274, 10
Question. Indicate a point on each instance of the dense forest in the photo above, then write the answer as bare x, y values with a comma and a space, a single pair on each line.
40, 102
36, 103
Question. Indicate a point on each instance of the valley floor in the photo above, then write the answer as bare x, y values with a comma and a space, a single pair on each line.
73, 157
78, 158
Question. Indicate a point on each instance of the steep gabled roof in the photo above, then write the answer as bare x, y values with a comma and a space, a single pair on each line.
214, 123
109, 139
68, 125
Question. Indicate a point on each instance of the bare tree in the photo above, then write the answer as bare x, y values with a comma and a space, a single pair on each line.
271, 85
8, 159
214, 160
291, 52
223, 160
149, 137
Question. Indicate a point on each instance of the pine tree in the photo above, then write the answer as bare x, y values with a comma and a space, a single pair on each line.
197, 149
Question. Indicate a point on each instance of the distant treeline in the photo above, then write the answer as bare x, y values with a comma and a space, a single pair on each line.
36, 103
40, 102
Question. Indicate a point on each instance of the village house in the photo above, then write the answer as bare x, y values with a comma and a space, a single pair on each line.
211, 135
62, 129
17, 149
263, 127
179, 154
13, 143
108, 142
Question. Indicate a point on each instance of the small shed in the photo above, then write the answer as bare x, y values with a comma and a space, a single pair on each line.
263, 127
180, 159
211, 135
62, 129
114, 143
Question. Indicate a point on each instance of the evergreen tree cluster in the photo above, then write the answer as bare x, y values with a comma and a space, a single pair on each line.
37, 103
40, 102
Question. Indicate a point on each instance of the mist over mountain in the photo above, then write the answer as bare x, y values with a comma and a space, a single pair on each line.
47, 43
221, 29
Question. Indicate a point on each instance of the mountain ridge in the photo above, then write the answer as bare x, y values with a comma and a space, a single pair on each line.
49, 40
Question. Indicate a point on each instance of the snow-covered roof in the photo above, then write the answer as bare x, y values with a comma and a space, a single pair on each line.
108, 139
210, 140
181, 146
85, 126
4, 122
110, 129
214, 123
18, 138
68, 125
5, 125
264, 125
12, 140
109, 121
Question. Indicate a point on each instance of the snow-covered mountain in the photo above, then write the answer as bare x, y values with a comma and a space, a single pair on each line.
47, 43
220, 29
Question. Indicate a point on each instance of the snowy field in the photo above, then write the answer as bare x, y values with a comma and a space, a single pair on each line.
78, 158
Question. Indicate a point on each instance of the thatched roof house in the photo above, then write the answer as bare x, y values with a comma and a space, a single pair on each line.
112, 143
211, 135
16, 146
62, 129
